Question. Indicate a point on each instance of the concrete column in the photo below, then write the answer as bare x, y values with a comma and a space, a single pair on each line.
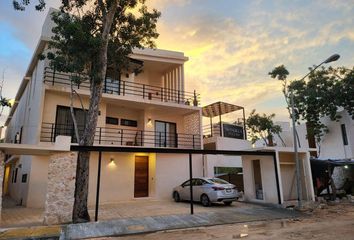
175, 84
169, 85
182, 73
279, 177
2, 163
61, 188
179, 78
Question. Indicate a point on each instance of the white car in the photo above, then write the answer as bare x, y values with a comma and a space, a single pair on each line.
207, 191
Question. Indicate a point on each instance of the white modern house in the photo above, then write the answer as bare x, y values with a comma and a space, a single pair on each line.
150, 109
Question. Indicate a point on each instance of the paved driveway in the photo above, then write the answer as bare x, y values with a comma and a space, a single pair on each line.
17, 216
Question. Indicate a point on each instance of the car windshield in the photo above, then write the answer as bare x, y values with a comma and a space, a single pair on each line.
217, 180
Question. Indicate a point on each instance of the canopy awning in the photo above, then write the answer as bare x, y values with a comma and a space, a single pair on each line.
219, 108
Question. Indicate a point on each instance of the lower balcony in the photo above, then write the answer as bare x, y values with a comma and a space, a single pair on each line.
125, 137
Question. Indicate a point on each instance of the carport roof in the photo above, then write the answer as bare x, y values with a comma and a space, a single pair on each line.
28, 149
219, 108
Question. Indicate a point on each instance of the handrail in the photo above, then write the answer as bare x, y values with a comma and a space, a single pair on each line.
121, 137
121, 87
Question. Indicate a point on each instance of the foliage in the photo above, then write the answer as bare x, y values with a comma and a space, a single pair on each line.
262, 127
323, 94
21, 5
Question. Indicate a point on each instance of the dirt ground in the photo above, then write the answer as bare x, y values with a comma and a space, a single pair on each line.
325, 222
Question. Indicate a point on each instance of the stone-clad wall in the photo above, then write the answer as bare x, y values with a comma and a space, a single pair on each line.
2, 159
61, 187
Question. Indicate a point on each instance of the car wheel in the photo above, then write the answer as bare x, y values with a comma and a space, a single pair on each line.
227, 203
176, 197
205, 200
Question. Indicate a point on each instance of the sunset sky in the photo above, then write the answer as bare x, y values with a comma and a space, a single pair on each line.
231, 44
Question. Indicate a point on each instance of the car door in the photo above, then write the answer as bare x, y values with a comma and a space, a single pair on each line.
184, 193
197, 189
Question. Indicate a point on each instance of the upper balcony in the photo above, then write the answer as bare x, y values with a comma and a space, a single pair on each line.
130, 88
124, 137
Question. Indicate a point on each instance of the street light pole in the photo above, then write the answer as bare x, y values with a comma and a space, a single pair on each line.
332, 58
297, 161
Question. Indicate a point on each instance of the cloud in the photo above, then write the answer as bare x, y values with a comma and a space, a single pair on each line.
232, 45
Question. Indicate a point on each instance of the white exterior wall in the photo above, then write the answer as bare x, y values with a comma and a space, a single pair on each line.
270, 192
332, 145
28, 112
172, 170
212, 161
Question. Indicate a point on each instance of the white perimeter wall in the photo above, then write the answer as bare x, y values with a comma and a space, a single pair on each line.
212, 161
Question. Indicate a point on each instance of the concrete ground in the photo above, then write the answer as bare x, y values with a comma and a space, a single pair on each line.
324, 223
18, 216
216, 215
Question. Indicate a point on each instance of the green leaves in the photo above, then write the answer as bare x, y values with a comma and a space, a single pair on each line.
262, 127
4, 102
21, 5
279, 72
326, 91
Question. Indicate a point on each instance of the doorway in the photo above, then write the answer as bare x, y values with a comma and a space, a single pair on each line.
141, 177
257, 176
165, 134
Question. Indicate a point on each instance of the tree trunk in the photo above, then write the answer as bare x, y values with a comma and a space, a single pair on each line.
80, 212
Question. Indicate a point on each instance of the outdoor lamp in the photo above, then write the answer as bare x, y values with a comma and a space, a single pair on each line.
332, 58
111, 162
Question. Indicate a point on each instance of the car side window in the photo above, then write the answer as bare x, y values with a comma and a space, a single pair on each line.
197, 182
204, 182
186, 184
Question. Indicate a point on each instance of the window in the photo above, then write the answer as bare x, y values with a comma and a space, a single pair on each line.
186, 184
111, 120
165, 134
24, 178
344, 134
128, 123
15, 178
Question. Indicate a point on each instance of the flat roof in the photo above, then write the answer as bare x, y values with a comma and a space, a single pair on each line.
219, 108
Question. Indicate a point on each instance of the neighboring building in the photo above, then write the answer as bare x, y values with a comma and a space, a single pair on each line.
338, 143
262, 177
150, 109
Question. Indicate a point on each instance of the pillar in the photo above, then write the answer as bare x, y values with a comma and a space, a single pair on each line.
2, 163
61, 188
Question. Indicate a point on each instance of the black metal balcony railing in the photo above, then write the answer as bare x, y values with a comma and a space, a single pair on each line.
120, 87
124, 137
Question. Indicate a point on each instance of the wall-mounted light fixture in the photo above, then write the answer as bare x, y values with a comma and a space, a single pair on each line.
112, 162
149, 122
346, 166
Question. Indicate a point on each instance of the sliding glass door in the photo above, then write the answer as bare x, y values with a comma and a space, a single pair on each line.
165, 134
